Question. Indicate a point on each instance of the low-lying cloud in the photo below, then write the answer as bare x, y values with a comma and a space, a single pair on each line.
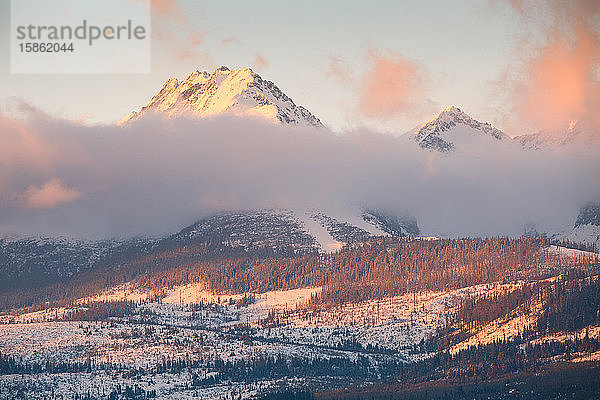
49, 195
154, 176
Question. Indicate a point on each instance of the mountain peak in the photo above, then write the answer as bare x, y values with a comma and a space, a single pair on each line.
226, 91
438, 133
451, 110
197, 76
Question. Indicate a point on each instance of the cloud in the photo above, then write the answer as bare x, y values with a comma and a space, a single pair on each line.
168, 9
229, 40
155, 176
561, 85
339, 69
393, 86
189, 48
559, 81
26, 152
518, 5
392, 91
49, 195
260, 62
171, 28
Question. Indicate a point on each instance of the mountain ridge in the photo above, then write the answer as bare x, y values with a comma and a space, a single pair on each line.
436, 134
238, 91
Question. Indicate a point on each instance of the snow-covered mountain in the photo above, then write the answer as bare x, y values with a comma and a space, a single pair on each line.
450, 127
537, 141
42, 260
576, 133
35, 260
587, 226
298, 231
237, 91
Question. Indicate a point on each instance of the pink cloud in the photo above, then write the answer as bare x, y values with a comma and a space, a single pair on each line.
23, 147
260, 61
189, 48
392, 86
49, 195
559, 82
25, 151
172, 29
229, 40
339, 69
19, 145
518, 5
168, 9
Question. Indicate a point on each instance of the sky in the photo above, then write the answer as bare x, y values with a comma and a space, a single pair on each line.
323, 54
369, 71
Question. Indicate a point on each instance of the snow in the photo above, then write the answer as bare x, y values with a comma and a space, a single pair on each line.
120, 293
168, 386
451, 126
278, 300
565, 251
240, 92
354, 217
498, 330
326, 242
193, 323
588, 233
503, 328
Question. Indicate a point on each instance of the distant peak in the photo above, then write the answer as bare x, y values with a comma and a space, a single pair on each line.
430, 133
222, 68
451, 109
449, 114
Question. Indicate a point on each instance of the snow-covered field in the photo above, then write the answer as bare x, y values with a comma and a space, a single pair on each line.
190, 323
166, 386
564, 251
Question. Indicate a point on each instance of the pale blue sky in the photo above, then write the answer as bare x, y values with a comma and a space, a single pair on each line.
465, 47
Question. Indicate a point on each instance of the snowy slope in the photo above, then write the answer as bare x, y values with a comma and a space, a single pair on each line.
565, 251
576, 133
237, 91
587, 226
588, 234
34, 260
450, 127
250, 229
297, 230
538, 141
